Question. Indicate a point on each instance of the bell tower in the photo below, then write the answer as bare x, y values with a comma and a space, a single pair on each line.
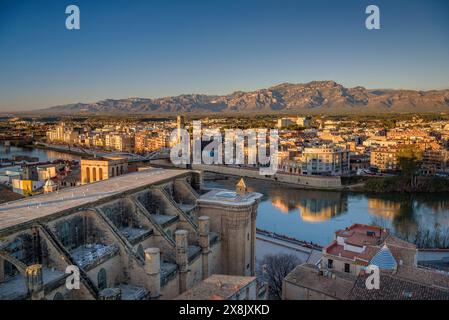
233, 215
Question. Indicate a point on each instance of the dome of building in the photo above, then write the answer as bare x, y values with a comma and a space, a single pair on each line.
384, 259
50, 183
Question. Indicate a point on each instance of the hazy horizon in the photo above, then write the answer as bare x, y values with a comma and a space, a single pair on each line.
200, 93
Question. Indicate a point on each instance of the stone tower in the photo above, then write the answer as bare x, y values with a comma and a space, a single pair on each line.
233, 215
35, 282
180, 123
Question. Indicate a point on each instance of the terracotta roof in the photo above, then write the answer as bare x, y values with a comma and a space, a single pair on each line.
421, 284
307, 276
361, 235
362, 258
217, 287
430, 277
395, 288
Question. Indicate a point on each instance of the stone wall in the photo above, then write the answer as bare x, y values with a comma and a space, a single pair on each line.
318, 182
99, 222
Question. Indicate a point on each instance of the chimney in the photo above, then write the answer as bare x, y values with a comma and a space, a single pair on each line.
204, 224
153, 270
181, 258
35, 281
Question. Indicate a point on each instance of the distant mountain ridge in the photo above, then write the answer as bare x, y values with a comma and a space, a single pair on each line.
318, 96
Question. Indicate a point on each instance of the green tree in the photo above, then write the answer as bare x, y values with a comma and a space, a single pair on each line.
409, 160
273, 268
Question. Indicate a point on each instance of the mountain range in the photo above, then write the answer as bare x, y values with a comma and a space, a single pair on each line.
315, 96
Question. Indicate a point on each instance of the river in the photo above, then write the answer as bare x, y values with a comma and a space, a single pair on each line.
314, 215
42, 154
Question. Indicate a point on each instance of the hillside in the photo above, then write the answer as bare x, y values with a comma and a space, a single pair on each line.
320, 96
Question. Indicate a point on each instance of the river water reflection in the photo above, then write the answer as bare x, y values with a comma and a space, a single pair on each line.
314, 215
42, 154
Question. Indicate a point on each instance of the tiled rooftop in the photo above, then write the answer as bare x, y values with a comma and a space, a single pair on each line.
167, 269
307, 275
15, 287
362, 258
410, 284
361, 235
216, 287
372, 238
91, 253
133, 233
130, 292
163, 219
395, 288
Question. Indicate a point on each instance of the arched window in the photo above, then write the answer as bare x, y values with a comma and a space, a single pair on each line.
94, 174
121, 169
102, 279
87, 174
113, 171
65, 234
100, 174
140, 252
58, 296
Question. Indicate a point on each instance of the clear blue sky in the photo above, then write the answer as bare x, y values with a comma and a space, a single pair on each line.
168, 47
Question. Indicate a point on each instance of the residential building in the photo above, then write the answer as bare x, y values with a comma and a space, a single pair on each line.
325, 161
97, 169
26, 187
305, 122
435, 161
385, 159
343, 270
285, 122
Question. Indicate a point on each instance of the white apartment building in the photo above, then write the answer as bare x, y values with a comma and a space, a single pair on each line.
325, 161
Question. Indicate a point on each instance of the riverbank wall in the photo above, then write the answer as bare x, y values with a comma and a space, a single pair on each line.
268, 243
62, 148
312, 182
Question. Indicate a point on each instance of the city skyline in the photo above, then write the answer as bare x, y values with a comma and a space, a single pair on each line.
160, 49
234, 151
